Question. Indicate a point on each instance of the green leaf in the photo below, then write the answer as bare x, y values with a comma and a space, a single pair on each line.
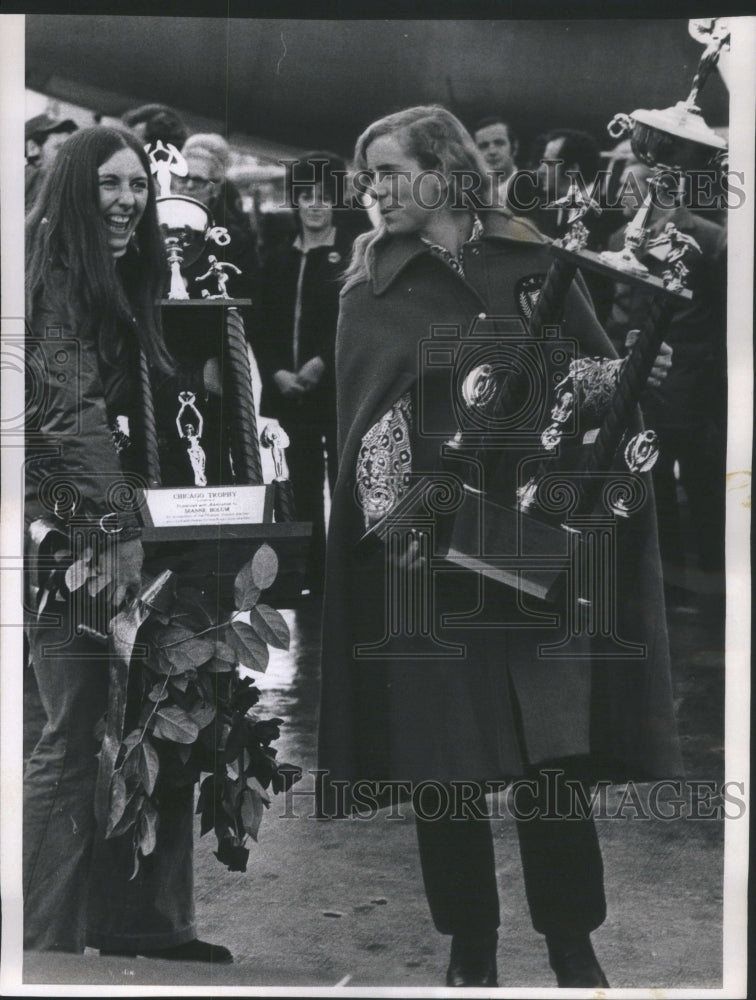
77, 575
195, 652
246, 590
118, 800
157, 693
224, 652
97, 582
231, 796
162, 665
203, 714
132, 739
255, 785
149, 766
251, 650
180, 681
216, 666
253, 802
129, 817
264, 567
137, 864
130, 767
173, 724
270, 625
172, 636
148, 819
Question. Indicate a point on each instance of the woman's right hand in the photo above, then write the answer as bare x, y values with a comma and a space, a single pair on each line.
409, 553
288, 384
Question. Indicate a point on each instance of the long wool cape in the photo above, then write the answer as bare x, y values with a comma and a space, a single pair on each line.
402, 713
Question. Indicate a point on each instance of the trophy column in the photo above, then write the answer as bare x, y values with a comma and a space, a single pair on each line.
245, 447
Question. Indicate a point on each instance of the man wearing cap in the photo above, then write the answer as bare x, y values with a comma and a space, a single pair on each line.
43, 136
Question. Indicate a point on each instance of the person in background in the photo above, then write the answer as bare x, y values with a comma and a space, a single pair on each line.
498, 145
300, 305
43, 135
557, 154
95, 266
688, 410
156, 123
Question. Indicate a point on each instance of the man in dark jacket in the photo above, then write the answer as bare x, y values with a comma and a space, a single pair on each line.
299, 310
688, 411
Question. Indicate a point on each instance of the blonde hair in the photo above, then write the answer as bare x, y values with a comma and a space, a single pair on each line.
438, 141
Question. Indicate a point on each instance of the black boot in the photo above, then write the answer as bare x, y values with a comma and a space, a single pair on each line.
473, 960
190, 951
573, 960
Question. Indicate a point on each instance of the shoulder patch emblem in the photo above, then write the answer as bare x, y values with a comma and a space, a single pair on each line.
526, 294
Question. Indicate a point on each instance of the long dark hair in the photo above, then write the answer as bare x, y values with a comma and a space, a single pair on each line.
69, 261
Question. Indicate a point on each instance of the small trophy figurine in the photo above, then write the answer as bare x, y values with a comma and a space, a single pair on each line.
580, 204
217, 270
681, 247
275, 437
189, 423
164, 161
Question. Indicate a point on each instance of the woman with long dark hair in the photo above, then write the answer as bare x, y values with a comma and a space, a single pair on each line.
95, 269
429, 680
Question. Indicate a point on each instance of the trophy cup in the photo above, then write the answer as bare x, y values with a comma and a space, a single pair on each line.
186, 224
583, 471
672, 141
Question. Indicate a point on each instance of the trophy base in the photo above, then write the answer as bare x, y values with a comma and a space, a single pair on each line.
209, 557
597, 262
623, 260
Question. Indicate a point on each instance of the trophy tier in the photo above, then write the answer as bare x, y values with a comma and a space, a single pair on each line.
594, 262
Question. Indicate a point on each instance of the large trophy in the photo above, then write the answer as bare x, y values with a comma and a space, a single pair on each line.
203, 451
578, 476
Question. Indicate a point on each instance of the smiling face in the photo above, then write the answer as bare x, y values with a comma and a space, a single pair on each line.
408, 196
315, 211
124, 189
494, 143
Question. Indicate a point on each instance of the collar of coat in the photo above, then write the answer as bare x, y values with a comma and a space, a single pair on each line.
394, 253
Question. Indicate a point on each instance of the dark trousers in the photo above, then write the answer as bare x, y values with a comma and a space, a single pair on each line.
67, 867
311, 456
561, 863
701, 455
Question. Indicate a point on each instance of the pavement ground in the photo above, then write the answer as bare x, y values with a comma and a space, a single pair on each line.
341, 903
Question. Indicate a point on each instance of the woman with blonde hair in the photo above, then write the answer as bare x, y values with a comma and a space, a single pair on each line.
413, 702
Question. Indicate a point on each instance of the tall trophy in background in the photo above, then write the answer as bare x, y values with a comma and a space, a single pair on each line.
203, 451
586, 466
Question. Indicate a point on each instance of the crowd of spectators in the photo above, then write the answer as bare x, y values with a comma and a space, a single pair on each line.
292, 279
